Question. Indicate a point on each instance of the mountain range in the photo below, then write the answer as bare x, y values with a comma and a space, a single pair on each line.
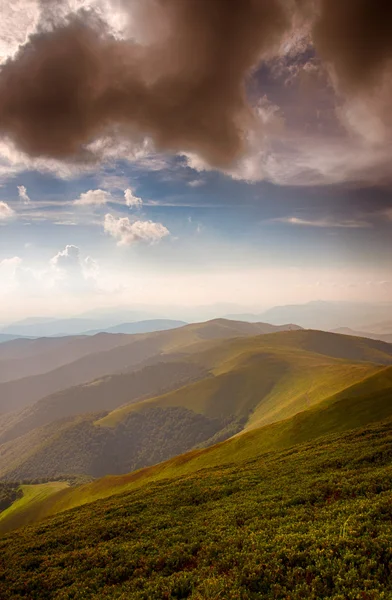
192, 452
210, 380
374, 318
327, 315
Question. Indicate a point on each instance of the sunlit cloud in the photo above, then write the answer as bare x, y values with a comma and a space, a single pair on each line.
6, 212
326, 222
23, 195
127, 232
131, 200
93, 197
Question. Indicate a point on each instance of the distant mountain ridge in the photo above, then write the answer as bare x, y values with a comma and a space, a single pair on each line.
24, 357
383, 327
326, 315
219, 387
112, 353
365, 334
323, 315
148, 326
8, 337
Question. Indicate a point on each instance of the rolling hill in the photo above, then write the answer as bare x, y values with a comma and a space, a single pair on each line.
382, 327
140, 327
238, 384
7, 337
310, 522
384, 337
324, 315
259, 381
29, 357
128, 353
56, 327
358, 406
104, 394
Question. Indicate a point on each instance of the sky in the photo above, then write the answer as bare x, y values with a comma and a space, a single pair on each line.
194, 152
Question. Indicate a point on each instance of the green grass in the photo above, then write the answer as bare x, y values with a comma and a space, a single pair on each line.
337, 414
262, 379
306, 523
31, 502
247, 382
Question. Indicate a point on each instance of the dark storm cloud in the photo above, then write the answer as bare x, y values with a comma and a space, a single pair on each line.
73, 81
355, 36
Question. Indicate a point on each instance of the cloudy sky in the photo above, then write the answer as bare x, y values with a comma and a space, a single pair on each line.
191, 152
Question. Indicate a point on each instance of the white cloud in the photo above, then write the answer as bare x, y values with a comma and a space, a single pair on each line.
13, 161
90, 268
64, 223
69, 271
128, 232
104, 151
10, 264
93, 198
23, 195
140, 154
298, 145
195, 162
327, 222
196, 183
6, 212
18, 20
131, 200
14, 275
8, 269
67, 258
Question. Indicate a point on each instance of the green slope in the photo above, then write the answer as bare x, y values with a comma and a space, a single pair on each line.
251, 382
337, 414
268, 378
29, 357
106, 393
131, 354
313, 522
78, 447
31, 502
336, 346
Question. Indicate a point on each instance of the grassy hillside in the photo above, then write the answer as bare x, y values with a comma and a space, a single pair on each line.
106, 393
313, 522
30, 500
338, 346
257, 391
78, 447
9, 493
249, 382
33, 357
271, 377
339, 413
99, 362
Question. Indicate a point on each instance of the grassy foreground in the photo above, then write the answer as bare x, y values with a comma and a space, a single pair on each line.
310, 522
21, 511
